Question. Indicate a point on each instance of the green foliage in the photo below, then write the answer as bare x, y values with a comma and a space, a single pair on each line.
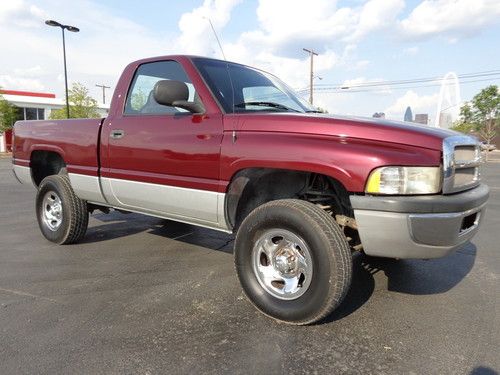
482, 114
138, 100
7, 114
81, 104
463, 127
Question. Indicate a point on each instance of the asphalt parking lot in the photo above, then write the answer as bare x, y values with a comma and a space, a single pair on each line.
144, 295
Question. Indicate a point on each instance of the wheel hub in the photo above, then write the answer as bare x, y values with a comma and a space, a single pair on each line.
282, 264
52, 211
286, 262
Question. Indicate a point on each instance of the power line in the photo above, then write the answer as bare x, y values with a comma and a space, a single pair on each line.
375, 89
418, 80
327, 86
387, 86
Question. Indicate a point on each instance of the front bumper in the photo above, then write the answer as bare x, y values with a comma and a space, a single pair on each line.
420, 226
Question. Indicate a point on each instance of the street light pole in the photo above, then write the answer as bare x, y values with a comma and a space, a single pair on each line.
311, 75
74, 30
65, 73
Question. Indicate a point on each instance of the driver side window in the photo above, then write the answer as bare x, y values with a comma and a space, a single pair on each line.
140, 98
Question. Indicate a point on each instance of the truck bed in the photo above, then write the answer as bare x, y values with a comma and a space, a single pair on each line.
76, 140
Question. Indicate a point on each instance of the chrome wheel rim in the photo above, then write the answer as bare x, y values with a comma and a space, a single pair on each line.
52, 213
282, 263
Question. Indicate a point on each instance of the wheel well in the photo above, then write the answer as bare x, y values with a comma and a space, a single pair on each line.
45, 163
252, 187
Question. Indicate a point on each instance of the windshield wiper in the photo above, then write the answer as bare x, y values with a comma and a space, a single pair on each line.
266, 104
313, 111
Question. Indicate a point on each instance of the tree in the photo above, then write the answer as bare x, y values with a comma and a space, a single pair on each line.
463, 127
138, 100
482, 114
81, 104
7, 114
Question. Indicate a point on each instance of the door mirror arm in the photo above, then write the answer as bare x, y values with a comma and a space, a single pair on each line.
190, 106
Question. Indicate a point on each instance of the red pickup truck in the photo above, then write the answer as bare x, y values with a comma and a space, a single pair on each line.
229, 147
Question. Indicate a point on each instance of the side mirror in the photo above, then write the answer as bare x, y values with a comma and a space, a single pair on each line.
175, 94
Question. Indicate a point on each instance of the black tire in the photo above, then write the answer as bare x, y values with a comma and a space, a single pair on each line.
73, 222
328, 249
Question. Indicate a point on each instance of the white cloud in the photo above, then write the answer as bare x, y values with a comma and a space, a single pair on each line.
284, 27
99, 52
105, 45
107, 42
19, 83
316, 23
360, 64
196, 30
349, 58
377, 15
32, 71
17, 13
334, 102
418, 103
454, 18
411, 51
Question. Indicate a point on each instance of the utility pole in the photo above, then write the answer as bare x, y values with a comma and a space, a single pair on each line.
103, 92
312, 54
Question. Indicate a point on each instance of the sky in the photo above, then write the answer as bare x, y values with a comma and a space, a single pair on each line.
357, 41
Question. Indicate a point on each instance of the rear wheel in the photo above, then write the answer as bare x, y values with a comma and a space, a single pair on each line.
62, 216
293, 261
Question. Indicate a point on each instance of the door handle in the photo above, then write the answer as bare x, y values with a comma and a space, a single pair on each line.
117, 133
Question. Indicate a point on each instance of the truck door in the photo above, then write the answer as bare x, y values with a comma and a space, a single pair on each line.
162, 160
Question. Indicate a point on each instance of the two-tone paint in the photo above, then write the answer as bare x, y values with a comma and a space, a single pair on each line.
181, 166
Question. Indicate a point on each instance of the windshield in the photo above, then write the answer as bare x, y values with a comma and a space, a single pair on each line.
254, 90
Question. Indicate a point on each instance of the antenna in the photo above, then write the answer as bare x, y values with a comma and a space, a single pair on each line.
216, 37
227, 66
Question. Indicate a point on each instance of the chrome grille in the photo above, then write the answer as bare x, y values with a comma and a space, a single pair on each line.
461, 159
464, 176
465, 153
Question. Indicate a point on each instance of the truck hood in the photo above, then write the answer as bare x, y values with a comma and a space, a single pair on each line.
346, 127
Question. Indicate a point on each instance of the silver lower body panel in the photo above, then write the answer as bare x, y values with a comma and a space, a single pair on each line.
419, 236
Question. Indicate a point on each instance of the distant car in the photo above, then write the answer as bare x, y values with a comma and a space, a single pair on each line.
487, 147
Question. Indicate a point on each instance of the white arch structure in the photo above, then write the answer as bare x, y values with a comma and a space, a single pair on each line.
449, 101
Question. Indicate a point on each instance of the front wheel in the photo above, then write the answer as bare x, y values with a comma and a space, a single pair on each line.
293, 261
62, 216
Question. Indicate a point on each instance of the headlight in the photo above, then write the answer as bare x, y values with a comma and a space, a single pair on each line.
404, 180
